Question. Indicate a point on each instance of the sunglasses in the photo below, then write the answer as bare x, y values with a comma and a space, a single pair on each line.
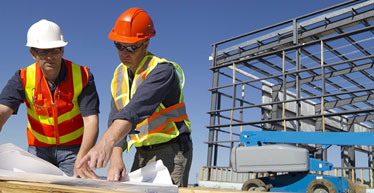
45, 52
130, 49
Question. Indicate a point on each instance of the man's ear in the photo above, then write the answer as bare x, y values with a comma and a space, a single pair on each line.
146, 44
33, 54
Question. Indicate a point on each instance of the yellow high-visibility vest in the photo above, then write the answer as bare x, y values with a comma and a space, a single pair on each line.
160, 127
57, 120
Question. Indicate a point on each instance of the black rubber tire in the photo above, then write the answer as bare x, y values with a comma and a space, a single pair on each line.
254, 185
320, 185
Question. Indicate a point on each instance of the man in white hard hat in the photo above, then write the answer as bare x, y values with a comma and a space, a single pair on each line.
61, 100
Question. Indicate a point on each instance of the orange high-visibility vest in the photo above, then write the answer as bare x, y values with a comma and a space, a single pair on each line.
59, 121
160, 127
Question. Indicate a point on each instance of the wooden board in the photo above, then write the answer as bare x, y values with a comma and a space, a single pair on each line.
34, 183
33, 187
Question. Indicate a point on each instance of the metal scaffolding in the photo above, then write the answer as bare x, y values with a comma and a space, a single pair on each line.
311, 73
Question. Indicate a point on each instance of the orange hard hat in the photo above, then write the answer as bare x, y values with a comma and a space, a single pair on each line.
132, 26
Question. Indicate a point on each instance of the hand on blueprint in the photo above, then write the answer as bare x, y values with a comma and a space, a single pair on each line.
99, 155
84, 171
117, 169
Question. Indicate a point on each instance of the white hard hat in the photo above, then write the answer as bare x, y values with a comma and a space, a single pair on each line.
45, 34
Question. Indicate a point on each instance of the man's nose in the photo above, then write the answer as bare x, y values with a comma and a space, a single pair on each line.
50, 55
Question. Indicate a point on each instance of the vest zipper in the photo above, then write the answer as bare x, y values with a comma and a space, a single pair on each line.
55, 119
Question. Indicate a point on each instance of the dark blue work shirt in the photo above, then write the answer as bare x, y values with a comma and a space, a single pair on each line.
13, 94
160, 86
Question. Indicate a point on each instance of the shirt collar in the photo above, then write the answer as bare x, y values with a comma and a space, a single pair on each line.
62, 75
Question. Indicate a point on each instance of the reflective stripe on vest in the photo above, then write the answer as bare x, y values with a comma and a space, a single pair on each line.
57, 122
175, 113
120, 93
160, 127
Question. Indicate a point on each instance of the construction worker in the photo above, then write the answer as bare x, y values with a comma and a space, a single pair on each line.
147, 105
61, 100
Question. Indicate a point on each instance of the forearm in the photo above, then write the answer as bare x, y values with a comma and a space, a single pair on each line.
5, 113
100, 154
116, 155
116, 132
90, 134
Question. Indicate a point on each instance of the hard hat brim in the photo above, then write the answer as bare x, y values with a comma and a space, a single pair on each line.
128, 40
47, 45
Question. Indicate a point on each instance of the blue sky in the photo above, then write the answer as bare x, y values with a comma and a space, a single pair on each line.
185, 31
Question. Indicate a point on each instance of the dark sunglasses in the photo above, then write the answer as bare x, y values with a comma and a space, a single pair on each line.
45, 52
130, 49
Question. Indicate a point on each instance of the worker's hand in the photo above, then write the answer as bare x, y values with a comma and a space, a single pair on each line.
84, 171
116, 172
117, 169
98, 156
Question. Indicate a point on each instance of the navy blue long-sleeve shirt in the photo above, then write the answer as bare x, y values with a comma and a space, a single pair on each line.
160, 86
13, 94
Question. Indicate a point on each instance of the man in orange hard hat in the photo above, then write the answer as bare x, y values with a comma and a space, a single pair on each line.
61, 100
147, 106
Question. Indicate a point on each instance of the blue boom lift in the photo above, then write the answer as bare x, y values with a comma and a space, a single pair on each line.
261, 152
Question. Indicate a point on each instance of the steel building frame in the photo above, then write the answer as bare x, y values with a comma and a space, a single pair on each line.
311, 73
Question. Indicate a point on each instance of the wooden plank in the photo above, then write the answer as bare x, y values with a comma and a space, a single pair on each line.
33, 187
13, 181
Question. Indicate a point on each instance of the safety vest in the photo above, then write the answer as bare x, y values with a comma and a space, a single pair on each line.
54, 121
160, 127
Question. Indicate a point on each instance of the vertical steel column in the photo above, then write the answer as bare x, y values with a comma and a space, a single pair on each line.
284, 92
323, 89
324, 152
213, 107
215, 153
233, 99
298, 67
241, 110
233, 106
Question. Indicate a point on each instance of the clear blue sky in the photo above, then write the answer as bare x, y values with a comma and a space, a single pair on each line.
185, 32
